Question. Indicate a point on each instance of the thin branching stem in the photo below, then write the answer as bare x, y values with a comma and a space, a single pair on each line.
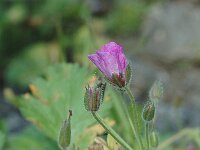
131, 123
135, 118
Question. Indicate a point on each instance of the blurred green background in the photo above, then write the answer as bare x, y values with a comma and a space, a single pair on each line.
44, 67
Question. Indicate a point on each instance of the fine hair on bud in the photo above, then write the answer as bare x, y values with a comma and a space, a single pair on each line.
94, 96
156, 91
148, 111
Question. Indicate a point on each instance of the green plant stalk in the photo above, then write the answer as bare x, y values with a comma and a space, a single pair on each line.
131, 124
132, 98
111, 131
134, 130
147, 134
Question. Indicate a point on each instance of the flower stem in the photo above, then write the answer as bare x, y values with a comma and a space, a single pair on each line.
135, 121
133, 128
147, 134
111, 131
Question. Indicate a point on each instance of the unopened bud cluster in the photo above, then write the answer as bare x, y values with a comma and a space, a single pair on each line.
94, 96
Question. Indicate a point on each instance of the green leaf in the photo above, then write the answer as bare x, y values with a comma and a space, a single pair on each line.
60, 89
27, 66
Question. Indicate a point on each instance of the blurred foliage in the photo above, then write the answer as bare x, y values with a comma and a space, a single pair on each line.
35, 37
59, 89
126, 17
69, 23
2, 139
29, 139
3, 134
29, 64
24, 23
184, 138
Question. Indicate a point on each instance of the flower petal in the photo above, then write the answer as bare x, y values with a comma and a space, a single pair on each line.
110, 62
111, 47
110, 59
99, 63
117, 52
122, 62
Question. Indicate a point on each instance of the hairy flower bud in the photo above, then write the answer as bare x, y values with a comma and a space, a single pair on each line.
156, 91
65, 133
154, 140
94, 96
148, 111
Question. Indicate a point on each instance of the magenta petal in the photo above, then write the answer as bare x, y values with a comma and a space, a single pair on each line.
110, 60
99, 63
122, 63
112, 47
117, 52
94, 59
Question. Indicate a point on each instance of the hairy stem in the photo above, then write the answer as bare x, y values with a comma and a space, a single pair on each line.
135, 117
111, 131
134, 130
147, 134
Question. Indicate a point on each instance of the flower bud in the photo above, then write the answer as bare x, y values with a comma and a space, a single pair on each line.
148, 111
156, 91
154, 140
94, 96
65, 133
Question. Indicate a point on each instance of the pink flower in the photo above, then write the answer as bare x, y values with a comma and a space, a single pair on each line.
111, 61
